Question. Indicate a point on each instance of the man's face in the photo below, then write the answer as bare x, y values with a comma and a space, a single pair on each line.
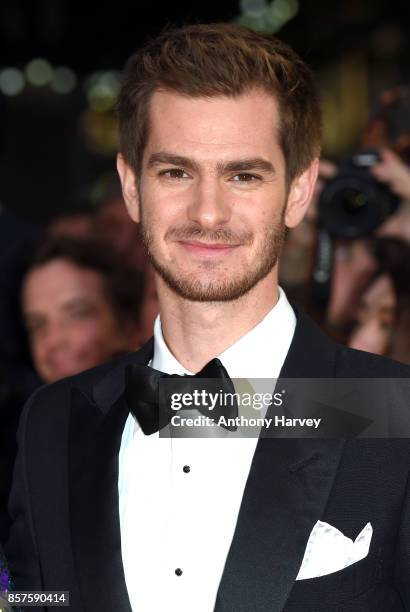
69, 319
212, 193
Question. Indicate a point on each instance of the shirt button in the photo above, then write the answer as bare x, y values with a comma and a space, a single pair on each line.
178, 571
186, 469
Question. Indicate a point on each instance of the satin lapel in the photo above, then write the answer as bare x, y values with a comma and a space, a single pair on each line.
96, 428
285, 494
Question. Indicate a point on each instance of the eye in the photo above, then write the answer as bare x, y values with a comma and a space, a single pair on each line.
174, 173
245, 177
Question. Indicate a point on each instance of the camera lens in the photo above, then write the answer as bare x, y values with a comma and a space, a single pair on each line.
353, 203
353, 200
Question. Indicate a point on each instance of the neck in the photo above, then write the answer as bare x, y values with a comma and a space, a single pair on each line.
196, 332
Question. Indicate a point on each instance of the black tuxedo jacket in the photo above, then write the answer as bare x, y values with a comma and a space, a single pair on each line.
64, 502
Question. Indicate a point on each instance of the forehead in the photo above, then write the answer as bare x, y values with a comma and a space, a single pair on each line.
59, 280
215, 125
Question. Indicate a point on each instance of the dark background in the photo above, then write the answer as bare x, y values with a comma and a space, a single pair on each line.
54, 148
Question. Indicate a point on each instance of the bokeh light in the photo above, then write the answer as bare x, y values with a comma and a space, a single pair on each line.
11, 81
64, 80
39, 72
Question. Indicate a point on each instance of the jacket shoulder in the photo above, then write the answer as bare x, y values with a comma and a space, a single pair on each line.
51, 401
85, 381
354, 363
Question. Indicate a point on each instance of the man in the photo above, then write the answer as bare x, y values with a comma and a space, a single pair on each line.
80, 305
219, 143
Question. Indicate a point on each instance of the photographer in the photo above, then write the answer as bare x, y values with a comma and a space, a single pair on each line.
396, 174
384, 207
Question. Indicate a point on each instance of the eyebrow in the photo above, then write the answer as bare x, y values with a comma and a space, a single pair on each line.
169, 158
244, 165
239, 165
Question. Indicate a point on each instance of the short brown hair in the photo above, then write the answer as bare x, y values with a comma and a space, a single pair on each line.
221, 60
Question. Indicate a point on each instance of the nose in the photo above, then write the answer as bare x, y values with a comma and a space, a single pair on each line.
210, 207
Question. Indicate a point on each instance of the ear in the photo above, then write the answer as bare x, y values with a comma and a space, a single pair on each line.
300, 195
129, 182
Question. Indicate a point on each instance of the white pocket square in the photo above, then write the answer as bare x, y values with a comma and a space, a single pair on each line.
328, 550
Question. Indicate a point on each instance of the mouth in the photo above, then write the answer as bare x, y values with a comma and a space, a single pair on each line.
207, 249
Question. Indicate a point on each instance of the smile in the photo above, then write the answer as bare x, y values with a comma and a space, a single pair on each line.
207, 249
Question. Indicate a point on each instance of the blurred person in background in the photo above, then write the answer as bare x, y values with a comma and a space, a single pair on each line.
81, 307
387, 132
383, 319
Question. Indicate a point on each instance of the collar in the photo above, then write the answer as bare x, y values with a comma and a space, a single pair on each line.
260, 353
311, 354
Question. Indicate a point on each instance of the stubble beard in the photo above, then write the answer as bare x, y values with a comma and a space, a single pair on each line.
191, 287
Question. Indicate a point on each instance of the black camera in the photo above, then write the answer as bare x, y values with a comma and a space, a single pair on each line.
354, 203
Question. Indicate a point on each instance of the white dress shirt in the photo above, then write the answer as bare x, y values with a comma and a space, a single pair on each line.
179, 498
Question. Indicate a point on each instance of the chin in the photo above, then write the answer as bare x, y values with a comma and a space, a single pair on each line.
65, 373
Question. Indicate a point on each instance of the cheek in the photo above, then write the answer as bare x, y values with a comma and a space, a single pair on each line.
92, 339
38, 350
161, 207
271, 209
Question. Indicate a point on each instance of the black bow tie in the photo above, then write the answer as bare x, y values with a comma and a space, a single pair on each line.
151, 403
